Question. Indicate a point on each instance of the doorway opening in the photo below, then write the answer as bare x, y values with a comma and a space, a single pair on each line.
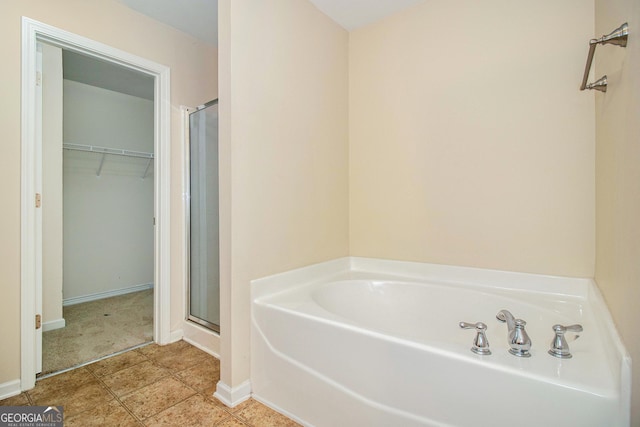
97, 219
32, 184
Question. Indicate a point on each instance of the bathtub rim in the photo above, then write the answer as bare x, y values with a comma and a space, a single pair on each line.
571, 287
575, 287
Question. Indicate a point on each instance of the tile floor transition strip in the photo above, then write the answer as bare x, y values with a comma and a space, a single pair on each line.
80, 365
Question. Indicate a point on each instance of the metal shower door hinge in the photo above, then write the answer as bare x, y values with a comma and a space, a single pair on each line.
38, 200
38, 321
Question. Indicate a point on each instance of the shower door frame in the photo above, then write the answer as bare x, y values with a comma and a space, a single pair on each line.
187, 202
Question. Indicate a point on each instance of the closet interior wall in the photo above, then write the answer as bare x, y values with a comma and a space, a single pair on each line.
108, 199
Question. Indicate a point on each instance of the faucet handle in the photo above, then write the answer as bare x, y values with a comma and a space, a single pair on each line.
480, 343
559, 345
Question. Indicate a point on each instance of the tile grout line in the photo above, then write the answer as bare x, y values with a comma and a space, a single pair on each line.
171, 373
174, 374
148, 359
29, 399
107, 388
124, 406
116, 398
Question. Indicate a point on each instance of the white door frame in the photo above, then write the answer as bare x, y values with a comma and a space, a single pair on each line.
31, 226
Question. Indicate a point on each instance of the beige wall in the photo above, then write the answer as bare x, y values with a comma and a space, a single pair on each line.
469, 143
283, 131
108, 220
618, 177
193, 81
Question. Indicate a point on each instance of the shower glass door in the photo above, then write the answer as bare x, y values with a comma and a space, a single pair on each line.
203, 229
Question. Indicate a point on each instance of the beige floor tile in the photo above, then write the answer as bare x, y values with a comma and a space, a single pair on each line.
155, 350
160, 385
154, 398
202, 377
61, 383
116, 363
195, 411
76, 400
234, 422
111, 414
181, 359
19, 400
257, 414
129, 379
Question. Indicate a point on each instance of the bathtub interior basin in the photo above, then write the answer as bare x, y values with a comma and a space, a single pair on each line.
379, 343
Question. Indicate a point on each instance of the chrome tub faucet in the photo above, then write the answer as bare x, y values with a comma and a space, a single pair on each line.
480, 342
559, 345
519, 341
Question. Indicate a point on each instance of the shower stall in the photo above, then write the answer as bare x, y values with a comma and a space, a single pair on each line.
203, 265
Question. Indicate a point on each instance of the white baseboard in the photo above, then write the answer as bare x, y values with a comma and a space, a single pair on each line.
10, 389
176, 336
202, 338
233, 396
106, 294
53, 324
279, 409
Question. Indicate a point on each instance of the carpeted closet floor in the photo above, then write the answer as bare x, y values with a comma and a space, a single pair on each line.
98, 328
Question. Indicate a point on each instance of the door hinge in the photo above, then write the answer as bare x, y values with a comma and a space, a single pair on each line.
38, 78
38, 321
38, 200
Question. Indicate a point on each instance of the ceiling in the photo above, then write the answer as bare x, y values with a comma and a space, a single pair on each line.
107, 75
196, 17
353, 14
200, 17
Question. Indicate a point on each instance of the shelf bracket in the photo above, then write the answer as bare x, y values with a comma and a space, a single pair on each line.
101, 164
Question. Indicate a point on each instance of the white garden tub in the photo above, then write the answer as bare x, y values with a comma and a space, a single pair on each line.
362, 342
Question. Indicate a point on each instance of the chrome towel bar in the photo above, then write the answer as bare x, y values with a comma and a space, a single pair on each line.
617, 37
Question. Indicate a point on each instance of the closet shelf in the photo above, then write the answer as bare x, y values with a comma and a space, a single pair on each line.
115, 151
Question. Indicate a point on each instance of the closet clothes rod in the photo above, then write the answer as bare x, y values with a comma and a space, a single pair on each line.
115, 151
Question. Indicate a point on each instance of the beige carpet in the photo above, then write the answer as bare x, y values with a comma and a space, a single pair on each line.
98, 328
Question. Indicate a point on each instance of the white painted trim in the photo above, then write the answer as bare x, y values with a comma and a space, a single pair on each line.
52, 325
184, 250
232, 397
107, 294
162, 208
202, 338
33, 31
9, 389
28, 247
175, 336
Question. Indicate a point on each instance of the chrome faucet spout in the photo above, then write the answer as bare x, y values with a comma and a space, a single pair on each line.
506, 316
519, 341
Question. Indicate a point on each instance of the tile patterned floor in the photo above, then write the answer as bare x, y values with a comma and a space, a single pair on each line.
151, 386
